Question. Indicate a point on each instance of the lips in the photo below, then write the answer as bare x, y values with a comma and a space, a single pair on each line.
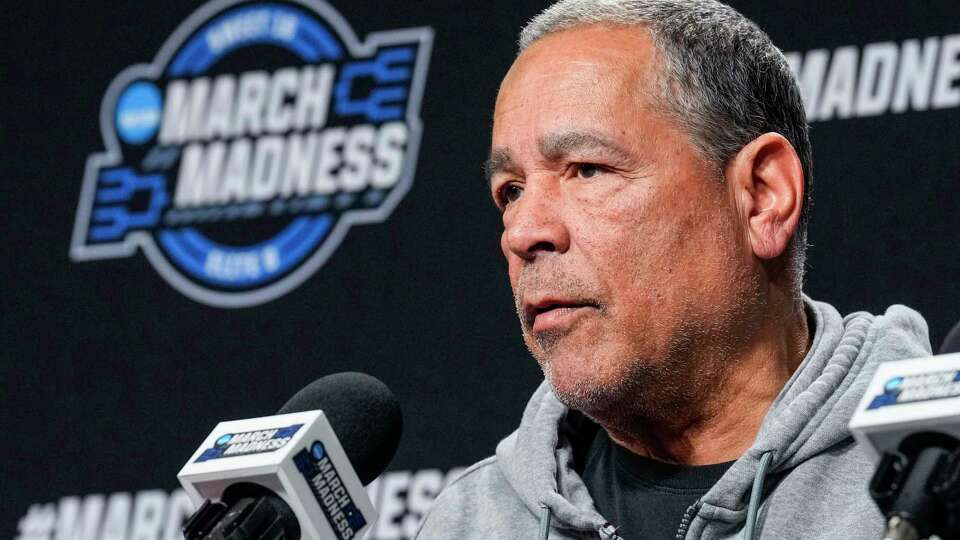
550, 313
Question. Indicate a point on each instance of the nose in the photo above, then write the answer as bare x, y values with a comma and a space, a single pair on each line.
535, 224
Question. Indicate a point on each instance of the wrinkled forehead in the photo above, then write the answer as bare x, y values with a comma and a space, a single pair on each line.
590, 79
583, 57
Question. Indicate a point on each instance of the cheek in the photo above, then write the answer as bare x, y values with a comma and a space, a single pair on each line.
684, 262
639, 250
622, 238
513, 262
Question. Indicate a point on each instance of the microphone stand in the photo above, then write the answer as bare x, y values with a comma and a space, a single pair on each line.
917, 487
246, 512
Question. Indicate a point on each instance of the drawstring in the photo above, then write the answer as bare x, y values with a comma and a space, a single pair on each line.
544, 522
607, 531
750, 531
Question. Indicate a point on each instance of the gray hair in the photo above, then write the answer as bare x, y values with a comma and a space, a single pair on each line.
721, 78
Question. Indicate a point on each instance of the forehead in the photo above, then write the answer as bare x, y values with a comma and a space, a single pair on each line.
593, 78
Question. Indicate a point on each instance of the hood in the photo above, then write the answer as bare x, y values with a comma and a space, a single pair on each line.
809, 416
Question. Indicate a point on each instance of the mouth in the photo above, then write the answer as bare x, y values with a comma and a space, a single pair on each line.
552, 314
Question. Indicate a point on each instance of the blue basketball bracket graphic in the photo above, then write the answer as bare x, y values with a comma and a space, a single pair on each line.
388, 68
112, 217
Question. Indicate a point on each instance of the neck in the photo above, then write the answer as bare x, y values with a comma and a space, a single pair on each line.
719, 421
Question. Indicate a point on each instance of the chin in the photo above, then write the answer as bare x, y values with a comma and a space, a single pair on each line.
612, 388
587, 386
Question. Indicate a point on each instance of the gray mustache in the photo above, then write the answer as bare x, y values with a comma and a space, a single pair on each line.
551, 282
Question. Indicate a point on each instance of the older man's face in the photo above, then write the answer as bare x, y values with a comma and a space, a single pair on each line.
623, 246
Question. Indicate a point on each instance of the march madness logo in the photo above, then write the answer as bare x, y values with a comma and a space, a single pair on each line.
917, 388
328, 488
249, 442
238, 159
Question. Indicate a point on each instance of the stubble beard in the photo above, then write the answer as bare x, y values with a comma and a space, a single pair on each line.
656, 382
644, 384
652, 389
669, 388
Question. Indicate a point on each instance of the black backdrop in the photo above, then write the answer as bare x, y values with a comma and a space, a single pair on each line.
110, 377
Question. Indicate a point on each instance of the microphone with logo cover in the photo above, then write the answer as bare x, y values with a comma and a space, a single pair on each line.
909, 419
300, 473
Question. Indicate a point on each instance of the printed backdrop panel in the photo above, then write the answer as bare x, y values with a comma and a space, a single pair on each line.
211, 205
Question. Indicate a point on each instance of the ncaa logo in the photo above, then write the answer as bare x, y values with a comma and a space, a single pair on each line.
240, 157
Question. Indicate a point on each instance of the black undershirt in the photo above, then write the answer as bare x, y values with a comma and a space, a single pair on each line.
643, 498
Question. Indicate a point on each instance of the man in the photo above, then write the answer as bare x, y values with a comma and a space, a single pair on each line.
652, 162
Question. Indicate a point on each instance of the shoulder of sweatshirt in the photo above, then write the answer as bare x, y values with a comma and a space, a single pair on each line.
824, 497
901, 333
480, 503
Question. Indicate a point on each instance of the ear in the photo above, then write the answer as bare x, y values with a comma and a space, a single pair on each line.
766, 179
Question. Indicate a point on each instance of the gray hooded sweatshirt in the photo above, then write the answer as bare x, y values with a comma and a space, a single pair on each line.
803, 476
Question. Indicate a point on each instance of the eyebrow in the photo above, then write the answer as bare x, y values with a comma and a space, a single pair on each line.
555, 147
499, 160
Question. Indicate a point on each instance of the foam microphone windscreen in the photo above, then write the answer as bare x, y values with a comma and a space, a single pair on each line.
364, 414
952, 343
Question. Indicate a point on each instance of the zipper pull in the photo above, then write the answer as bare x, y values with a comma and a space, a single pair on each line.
609, 532
687, 518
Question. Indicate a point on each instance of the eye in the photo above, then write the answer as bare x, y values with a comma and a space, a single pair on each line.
588, 170
508, 193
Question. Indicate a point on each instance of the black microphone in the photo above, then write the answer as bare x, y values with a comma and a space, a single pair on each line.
362, 411
313, 485
951, 344
909, 419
